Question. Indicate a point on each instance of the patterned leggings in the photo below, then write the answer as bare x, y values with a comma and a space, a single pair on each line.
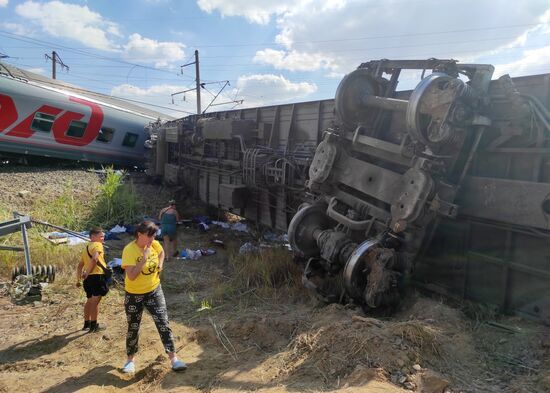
156, 305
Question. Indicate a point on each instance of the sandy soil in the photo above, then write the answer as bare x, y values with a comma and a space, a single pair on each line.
256, 343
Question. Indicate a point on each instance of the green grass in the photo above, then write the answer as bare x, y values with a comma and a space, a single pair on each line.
114, 202
117, 202
66, 210
42, 252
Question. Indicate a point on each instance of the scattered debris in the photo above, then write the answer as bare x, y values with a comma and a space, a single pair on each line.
63, 238
116, 262
248, 248
111, 236
118, 229
240, 227
23, 193
201, 219
189, 254
24, 289
273, 237
218, 243
202, 227
509, 329
222, 224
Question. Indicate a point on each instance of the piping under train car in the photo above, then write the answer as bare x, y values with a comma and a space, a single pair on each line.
45, 117
446, 185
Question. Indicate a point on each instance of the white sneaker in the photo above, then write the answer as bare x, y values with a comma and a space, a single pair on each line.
129, 367
178, 365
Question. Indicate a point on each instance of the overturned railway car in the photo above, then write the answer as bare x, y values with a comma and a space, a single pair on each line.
447, 185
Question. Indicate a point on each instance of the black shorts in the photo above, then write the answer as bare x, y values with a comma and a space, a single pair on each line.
95, 285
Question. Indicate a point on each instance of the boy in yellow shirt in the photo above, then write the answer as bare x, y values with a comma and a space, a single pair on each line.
93, 275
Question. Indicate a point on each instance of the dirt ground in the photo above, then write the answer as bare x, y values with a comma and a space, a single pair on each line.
265, 344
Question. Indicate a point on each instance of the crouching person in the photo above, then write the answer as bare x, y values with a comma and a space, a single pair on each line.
92, 270
142, 260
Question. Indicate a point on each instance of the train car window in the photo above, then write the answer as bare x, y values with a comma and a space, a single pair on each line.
76, 129
42, 122
105, 135
130, 139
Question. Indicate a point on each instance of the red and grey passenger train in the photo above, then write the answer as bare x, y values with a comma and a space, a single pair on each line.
44, 117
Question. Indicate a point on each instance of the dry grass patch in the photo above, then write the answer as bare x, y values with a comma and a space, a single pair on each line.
422, 337
268, 273
334, 348
42, 252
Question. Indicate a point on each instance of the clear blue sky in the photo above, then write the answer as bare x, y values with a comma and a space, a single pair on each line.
271, 51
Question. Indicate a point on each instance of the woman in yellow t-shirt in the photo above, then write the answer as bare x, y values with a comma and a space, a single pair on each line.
142, 260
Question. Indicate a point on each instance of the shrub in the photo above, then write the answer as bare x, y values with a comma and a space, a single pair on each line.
117, 202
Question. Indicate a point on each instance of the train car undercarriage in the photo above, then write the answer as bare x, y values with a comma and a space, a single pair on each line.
447, 184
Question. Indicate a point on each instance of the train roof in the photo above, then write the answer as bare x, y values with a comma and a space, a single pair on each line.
43, 81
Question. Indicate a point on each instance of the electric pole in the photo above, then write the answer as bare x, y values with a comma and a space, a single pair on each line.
197, 79
200, 86
55, 59
197, 71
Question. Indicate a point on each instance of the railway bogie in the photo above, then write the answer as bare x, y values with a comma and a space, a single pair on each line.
447, 184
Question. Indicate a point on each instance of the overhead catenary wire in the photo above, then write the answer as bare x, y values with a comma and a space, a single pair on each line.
84, 52
375, 37
330, 50
297, 43
20, 37
268, 65
153, 105
84, 91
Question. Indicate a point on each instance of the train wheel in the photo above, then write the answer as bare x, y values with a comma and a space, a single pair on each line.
349, 101
302, 227
369, 277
